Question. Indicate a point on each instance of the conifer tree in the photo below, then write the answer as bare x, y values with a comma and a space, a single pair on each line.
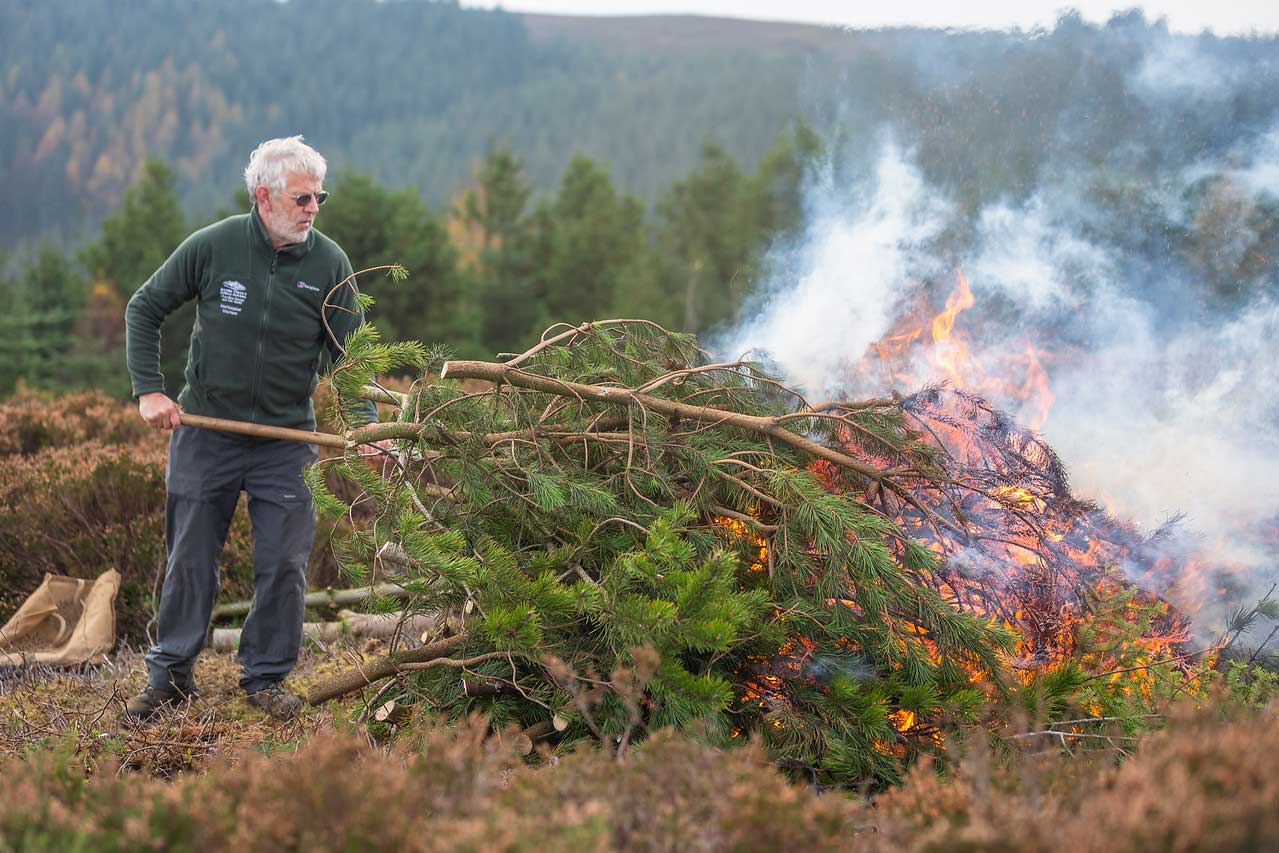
626, 536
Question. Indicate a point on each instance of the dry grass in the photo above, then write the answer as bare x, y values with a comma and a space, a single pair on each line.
79, 713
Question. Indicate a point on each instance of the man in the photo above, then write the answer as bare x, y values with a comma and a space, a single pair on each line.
259, 281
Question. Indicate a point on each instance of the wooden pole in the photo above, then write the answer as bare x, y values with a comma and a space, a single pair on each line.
324, 439
368, 625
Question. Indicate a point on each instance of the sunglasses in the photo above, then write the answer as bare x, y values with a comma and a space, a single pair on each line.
305, 199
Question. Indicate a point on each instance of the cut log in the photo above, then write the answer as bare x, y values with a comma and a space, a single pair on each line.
384, 667
393, 713
351, 624
527, 739
322, 598
485, 687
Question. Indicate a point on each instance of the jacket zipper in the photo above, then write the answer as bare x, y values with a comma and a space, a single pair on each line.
262, 327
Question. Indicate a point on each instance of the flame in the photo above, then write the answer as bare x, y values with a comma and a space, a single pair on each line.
740, 530
908, 357
1014, 545
960, 299
902, 719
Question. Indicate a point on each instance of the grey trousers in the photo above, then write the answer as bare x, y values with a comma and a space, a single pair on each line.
207, 470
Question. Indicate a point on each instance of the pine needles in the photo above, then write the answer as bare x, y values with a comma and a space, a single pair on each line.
629, 536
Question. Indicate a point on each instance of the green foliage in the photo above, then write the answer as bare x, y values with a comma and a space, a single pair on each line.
411, 94
589, 554
708, 239
503, 252
481, 277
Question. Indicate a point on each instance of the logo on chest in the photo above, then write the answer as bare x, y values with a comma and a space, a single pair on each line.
233, 296
302, 285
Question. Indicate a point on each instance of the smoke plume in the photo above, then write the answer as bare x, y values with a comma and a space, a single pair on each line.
1142, 280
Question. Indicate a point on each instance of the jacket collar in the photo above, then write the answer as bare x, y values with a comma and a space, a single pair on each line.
295, 250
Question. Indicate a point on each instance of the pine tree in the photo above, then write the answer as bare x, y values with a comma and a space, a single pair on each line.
706, 240
507, 270
374, 224
596, 236
627, 537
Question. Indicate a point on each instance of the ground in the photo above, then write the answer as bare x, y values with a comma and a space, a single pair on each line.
81, 710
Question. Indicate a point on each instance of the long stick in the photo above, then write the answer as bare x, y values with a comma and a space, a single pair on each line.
323, 439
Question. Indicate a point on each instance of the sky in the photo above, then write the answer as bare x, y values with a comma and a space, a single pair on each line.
1188, 16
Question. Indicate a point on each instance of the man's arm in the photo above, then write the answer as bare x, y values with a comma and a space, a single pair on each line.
174, 283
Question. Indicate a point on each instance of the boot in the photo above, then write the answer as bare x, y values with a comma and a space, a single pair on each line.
279, 703
151, 701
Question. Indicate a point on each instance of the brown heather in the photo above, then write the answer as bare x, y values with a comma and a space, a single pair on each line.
82, 491
457, 790
1204, 784
31, 422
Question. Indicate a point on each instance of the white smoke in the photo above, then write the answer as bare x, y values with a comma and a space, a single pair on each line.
847, 276
1257, 169
1175, 68
1032, 259
1154, 416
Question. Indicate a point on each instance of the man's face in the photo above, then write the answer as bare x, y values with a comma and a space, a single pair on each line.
285, 220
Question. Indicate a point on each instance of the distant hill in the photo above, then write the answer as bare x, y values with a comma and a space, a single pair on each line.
413, 92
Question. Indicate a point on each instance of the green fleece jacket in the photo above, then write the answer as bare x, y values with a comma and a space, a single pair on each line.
259, 333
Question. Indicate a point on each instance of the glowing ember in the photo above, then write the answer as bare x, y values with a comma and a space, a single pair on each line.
902, 720
742, 531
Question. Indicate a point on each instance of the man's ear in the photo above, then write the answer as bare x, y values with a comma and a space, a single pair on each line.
262, 196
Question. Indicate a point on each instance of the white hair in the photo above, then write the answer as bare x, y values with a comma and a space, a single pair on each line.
273, 161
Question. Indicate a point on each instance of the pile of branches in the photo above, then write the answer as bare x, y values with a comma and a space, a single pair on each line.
627, 535
1017, 544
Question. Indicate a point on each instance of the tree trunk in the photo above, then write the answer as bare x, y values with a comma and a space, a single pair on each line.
323, 598
350, 624
498, 373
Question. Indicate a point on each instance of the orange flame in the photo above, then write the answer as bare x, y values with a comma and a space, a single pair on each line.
960, 299
902, 719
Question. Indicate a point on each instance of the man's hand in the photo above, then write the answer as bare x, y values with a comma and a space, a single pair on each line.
159, 411
378, 453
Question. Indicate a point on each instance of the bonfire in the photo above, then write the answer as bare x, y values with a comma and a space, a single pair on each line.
622, 533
